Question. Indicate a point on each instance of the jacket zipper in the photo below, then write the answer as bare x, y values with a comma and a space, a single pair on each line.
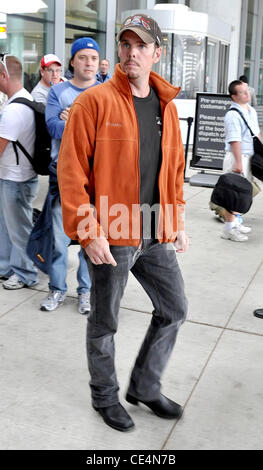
138, 169
159, 178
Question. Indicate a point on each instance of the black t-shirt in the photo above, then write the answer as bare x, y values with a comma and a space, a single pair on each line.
148, 112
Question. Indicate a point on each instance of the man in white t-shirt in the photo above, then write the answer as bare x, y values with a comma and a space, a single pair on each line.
239, 150
50, 70
18, 181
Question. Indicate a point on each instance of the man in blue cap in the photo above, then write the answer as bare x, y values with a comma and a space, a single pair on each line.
84, 61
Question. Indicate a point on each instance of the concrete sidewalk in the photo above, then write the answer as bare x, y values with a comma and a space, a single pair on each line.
216, 369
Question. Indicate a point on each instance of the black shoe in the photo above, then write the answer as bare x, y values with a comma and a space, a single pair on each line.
258, 313
116, 417
163, 407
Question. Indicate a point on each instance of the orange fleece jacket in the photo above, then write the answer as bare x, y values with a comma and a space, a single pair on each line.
98, 165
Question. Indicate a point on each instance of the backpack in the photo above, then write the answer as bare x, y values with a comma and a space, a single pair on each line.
41, 157
257, 159
233, 192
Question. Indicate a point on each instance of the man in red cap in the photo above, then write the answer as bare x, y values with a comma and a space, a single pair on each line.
50, 70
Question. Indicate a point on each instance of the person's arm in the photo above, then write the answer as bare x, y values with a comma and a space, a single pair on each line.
3, 144
182, 241
74, 172
236, 150
55, 125
233, 127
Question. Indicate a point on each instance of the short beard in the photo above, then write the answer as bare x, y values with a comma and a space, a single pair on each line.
132, 75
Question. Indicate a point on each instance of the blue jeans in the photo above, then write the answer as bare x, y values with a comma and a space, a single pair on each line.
15, 227
155, 267
58, 272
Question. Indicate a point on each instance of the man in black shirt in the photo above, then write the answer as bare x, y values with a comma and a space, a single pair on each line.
129, 127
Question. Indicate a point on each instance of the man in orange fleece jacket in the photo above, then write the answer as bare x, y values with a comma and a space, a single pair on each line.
121, 162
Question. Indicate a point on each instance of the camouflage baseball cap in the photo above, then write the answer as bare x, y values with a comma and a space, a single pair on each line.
145, 26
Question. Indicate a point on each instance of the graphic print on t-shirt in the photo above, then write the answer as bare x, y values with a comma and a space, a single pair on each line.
159, 123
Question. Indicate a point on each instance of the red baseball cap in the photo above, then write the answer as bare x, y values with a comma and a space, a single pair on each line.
49, 59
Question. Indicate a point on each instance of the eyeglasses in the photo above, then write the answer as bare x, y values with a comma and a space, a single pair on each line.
53, 70
3, 56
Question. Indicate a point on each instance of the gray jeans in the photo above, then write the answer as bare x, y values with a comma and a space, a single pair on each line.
155, 266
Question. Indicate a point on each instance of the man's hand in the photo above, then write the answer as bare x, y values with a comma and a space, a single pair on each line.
98, 252
238, 168
236, 150
182, 242
64, 114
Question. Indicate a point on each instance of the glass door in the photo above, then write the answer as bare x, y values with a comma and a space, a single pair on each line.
223, 68
211, 69
182, 63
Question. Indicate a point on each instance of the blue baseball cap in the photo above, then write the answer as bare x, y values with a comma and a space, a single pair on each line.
84, 43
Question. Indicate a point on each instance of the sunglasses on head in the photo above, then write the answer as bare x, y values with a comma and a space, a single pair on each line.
3, 56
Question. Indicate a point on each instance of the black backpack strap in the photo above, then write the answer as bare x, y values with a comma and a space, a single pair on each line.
22, 100
16, 144
16, 152
240, 114
35, 105
25, 152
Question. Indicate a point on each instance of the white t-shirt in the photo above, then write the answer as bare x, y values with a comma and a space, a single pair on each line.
40, 93
17, 122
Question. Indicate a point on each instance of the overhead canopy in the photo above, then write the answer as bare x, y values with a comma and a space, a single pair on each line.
180, 19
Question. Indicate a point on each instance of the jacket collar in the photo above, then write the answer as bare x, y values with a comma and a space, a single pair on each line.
165, 90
